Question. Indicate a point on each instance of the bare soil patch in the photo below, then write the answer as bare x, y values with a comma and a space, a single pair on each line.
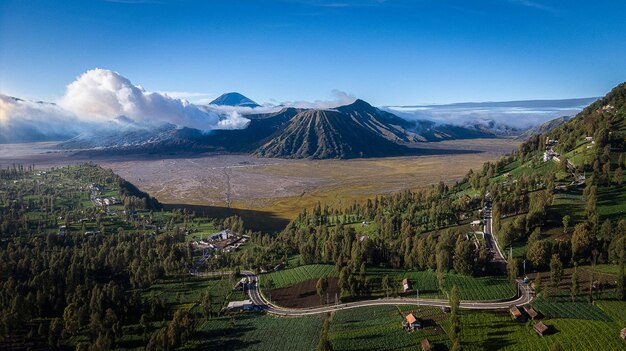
305, 294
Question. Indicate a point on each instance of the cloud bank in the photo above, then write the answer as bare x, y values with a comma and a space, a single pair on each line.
95, 100
25, 121
338, 98
520, 115
100, 95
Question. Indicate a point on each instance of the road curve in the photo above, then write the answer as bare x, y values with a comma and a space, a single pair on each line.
524, 296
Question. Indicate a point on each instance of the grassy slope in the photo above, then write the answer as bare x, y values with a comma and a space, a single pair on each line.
257, 332
471, 288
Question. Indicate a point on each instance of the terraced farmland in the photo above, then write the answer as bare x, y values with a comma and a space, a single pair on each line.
380, 328
491, 331
291, 276
257, 332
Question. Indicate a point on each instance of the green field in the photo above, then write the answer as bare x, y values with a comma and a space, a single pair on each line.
497, 331
257, 332
291, 276
380, 328
470, 288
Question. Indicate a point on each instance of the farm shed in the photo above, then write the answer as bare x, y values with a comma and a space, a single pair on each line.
245, 305
516, 314
623, 334
531, 312
426, 345
412, 321
540, 328
406, 284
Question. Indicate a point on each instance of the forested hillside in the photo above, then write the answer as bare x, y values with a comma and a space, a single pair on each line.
80, 248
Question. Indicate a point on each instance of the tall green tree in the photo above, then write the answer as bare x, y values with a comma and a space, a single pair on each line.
512, 267
581, 242
321, 287
621, 293
556, 270
455, 323
574, 288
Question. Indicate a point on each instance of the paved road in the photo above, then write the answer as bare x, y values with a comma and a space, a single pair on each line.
524, 296
490, 240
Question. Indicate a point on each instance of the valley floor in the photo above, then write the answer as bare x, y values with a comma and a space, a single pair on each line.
267, 193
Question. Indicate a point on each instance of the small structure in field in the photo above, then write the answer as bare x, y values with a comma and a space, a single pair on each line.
406, 284
531, 312
412, 322
245, 305
622, 334
426, 345
516, 314
540, 328
280, 266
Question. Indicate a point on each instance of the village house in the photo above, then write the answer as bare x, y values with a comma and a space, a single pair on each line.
426, 345
412, 322
245, 305
622, 334
406, 285
516, 314
540, 328
531, 312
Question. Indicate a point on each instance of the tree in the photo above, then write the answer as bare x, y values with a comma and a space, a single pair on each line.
207, 302
574, 287
463, 260
621, 294
70, 319
537, 283
385, 284
556, 270
321, 287
539, 253
455, 324
512, 267
581, 242
324, 344
618, 176
566, 221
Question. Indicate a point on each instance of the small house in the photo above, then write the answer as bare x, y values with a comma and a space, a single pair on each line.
413, 322
406, 284
516, 314
540, 328
531, 312
475, 223
623, 334
426, 345
279, 266
245, 305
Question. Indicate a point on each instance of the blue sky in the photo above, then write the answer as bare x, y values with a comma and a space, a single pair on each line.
386, 52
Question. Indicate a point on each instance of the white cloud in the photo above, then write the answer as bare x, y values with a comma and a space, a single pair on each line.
100, 95
188, 95
22, 120
339, 98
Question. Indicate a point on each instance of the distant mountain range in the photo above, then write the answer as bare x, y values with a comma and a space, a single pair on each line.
543, 128
350, 131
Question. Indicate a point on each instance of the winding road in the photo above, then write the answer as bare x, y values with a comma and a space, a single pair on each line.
524, 294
